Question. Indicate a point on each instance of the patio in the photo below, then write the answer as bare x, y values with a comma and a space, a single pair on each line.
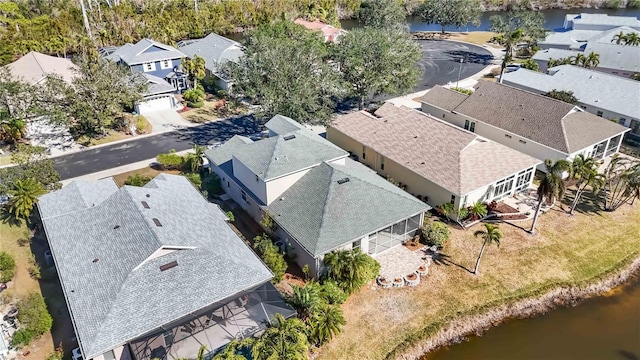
399, 262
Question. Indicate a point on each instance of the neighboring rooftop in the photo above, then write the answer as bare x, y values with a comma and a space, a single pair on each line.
34, 68
326, 29
280, 124
336, 204
536, 117
553, 53
143, 51
616, 57
215, 50
587, 21
590, 87
157, 85
453, 158
287, 153
110, 251
443, 98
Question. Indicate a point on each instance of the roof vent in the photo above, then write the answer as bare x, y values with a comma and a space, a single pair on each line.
423, 163
415, 136
522, 119
289, 137
148, 195
157, 222
342, 181
116, 227
168, 266
95, 260
145, 205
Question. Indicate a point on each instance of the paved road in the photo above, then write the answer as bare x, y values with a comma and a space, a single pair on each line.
441, 62
107, 157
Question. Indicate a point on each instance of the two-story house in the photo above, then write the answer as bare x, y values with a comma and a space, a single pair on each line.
156, 62
319, 198
431, 158
533, 124
154, 272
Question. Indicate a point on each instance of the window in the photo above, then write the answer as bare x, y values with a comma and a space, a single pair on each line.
257, 179
583, 107
470, 125
165, 64
523, 179
522, 141
622, 121
149, 66
228, 184
453, 199
364, 155
244, 196
599, 113
381, 162
507, 136
503, 187
356, 244
466, 124
443, 115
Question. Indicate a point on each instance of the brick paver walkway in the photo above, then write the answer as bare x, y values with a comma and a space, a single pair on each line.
399, 261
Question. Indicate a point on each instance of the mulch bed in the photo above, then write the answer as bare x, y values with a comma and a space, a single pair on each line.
504, 209
412, 246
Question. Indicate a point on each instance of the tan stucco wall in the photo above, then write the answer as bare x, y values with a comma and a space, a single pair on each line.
276, 187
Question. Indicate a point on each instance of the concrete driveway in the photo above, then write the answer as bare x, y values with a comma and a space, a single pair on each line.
441, 62
166, 120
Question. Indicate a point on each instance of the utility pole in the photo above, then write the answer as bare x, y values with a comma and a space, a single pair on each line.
459, 69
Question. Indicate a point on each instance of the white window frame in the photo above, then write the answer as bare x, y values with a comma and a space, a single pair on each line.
148, 66
165, 64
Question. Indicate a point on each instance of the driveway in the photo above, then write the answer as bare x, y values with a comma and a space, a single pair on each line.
441, 62
165, 120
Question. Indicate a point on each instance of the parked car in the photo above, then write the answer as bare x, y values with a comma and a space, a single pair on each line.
76, 354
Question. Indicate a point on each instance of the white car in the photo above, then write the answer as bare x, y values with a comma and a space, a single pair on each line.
76, 354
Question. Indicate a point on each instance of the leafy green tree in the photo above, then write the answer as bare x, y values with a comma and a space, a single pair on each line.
530, 64
331, 292
445, 13
377, 61
31, 162
562, 95
350, 269
284, 69
23, 197
557, 62
271, 256
195, 68
383, 14
33, 315
585, 170
631, 38
552, 186
435, 233
12, 130
285, 339
327, 322
619, 38
491, 235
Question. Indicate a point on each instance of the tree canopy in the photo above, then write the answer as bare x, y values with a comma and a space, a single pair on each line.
566, 96
445, 13
383, 14
377, 61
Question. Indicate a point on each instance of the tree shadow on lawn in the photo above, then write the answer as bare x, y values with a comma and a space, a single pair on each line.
588, 204
470, 57
445, 260
221, 130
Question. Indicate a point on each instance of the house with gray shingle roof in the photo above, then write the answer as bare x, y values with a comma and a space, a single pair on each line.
215, 50
154, 271
601, 22
320, 200
608, 96
534, 124
431, 158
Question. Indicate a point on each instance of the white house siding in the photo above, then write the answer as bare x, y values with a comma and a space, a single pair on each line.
156, 103
246, 177
234, 190
487, 193
276, 187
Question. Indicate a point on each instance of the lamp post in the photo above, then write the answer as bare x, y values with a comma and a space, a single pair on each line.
459, 69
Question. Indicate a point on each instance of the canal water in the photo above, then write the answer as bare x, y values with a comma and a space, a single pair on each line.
602, 328
554, 19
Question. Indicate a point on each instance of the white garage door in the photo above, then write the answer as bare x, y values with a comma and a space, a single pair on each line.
155, 104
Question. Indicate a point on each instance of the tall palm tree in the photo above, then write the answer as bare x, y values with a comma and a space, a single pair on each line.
622, 182
632, 39
585, 170
285, 339
510, 40
490, 235
552, 186
305, 299
578, 60
619, 38
195, 159
24, 196
327, 322
196, 68
591, 60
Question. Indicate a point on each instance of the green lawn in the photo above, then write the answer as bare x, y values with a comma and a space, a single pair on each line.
567, 250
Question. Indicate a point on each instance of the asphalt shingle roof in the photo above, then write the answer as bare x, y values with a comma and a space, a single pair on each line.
215, 50
109, 268
323, 214
280, 124
582, 19
34, 67
223, 153
286, 153
443, 98
157, 85
136, 53
453, 158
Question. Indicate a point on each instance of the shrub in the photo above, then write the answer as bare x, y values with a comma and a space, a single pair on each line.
6, 297
195, 179
612, 4
332, 293
194, 97
34, 271
137, 180
271, 256
7, 267
170, 161
633, 4
22, 337
142, 124
350, 269
229, 214
211, 184
33, 314
435, 233
25, 239
463, 91
530, 64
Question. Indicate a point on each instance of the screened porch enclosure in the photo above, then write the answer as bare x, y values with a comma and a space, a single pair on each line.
238, 318
393, 235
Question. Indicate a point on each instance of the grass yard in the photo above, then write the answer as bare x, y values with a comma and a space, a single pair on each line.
204, 114
474, 37
567, 250
147, 171
113, 136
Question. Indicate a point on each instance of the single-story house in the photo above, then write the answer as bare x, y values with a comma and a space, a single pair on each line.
601, 22
604, 95
153, 272
35, 67
215, 50
319, 198
329, 32
432, 158
534, 124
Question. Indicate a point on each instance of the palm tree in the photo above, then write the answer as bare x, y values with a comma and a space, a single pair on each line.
631, 38
591, 60
305, 299
196, 68
478, 210
447, 210
327, 322
195, 159
351, 269
285, 339
510, 40
585, 170
230, 352
490, 235
578, 60
618, 38
552, 186
24, 196
622, 182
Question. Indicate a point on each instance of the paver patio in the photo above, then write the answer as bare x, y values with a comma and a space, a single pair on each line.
400, 261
